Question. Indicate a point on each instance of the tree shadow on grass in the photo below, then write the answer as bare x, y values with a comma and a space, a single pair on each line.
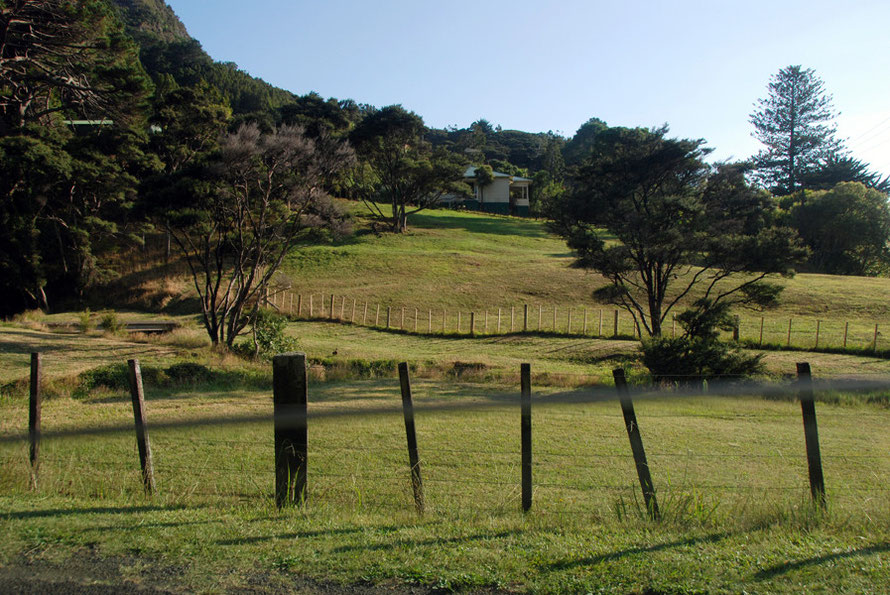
778, 569
607, 557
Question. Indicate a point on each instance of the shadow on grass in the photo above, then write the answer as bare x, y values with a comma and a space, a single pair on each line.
778, 569
481, 224
566, 564
423, 542
304, 534
34, 514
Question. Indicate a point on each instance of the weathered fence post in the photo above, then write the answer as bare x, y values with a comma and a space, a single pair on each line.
352, 318
429, 326
485, 324
34, 417
554, 318
458, 322
365, 314
584, 331
331, 313
413, 458
525, 318
737, 322
388, 315
499, 321
569, 323
874, 344
540, 314
760, 343
311, 315
343, 308
472, 324
513, 320
818, 328
600, 333
377, 316
416, 316
300, 305
636, 444
846, 328
526, 435
444, 320
402, 319
290, 396
811, 434
615, 325
788, 339
142, 441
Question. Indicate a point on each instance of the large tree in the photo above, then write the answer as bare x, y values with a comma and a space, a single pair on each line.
235, 223
795, 122
401, 174
661, 225
59, 193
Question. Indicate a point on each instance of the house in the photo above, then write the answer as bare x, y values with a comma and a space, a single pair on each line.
505, 194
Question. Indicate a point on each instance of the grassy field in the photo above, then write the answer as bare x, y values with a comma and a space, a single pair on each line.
730, 474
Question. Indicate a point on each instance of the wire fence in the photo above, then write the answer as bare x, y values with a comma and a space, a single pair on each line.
765, 331
716, 449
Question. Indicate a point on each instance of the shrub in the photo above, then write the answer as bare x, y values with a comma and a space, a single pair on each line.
268, 336
85, 321
111, 323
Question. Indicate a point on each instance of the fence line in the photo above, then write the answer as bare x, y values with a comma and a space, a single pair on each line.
583, 321
290, 420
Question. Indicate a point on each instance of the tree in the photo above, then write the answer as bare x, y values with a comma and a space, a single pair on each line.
680, 226
264, 195
837, 168
795, 122
61, 192
847, 228
402, 169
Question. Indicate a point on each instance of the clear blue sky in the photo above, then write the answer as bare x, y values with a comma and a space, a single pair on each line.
698, 66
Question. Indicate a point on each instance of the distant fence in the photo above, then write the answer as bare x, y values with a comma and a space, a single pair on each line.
800, 333
293, 477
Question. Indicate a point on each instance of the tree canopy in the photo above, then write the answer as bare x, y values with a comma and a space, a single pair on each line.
678, 226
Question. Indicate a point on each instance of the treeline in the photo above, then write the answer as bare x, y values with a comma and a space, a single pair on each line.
117, 123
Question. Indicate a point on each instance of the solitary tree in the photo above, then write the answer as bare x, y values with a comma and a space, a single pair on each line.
264, 195
402, 170
795, 122
660, 225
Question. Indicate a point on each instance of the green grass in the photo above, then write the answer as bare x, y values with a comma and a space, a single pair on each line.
730, 474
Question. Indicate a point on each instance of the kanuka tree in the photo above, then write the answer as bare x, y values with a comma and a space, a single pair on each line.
795, 122
661, 225
400, 172
236, 220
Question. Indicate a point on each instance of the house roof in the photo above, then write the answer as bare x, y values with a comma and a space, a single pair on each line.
471, 173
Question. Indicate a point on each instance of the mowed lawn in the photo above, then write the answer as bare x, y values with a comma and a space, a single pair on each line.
730, 473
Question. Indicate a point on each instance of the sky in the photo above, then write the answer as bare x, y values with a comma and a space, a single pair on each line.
537, 66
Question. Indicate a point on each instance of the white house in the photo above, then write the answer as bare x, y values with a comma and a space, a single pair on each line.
505, 194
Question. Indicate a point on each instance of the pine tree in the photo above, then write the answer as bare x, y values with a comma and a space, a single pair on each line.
795, 122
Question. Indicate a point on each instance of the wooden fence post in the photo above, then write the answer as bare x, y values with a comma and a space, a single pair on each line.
874, 344
554, 318
540, 315
142, 441
402, 319
846, 328
525, 318
291, 309
310, 306
300, 305
760, 343
513, 319
413, 458
788, 339
569, 323
34, 417
388, 315
818, 328
673, 325
458, 322
526, 435
290, 397
416, 315
472, 324
600, 333
377, 316
365, 314
444, 320
352, 319
636, 444
584, 332
615, 330
343, 308
331, 312
499, 321
737, 322
485, 324
429, 326
811, 434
